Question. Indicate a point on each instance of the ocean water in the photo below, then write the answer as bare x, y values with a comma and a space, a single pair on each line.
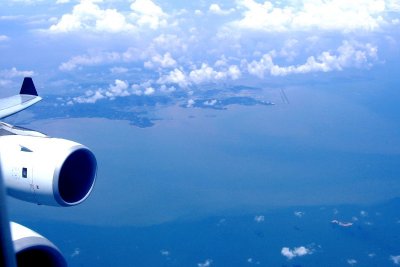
317, 171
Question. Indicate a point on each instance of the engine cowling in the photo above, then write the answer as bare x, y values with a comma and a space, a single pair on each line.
44, 170
32, 249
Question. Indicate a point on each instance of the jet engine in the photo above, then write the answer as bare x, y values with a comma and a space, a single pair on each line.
32, 249
44, 170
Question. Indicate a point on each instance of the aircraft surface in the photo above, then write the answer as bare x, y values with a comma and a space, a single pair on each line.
39, 169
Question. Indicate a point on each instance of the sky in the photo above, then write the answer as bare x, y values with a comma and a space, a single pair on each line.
271, 128
154, 48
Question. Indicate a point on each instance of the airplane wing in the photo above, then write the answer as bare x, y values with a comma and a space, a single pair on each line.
39, 169
26, 98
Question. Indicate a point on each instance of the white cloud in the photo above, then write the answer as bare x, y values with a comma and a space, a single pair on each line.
190, 103
295, 252
347, 55
118, 89
395, 259
216, 9
205, 74
198, 12
259, 218
13, 72
147, 13
165, 252
363, 213
393, 5
208, 74
207, 263
175, 76
90, 60
338, 15
76, 252
149, 91
4, 38
343, 224
169, 42
164, 61
351, 262
62, 1
299, 214
90, 97
89, 16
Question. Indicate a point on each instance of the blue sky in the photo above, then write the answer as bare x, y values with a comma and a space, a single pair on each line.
156, 48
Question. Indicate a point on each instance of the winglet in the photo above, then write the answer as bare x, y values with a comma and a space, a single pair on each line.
28, 88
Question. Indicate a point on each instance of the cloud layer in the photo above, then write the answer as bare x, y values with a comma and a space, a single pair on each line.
158, 48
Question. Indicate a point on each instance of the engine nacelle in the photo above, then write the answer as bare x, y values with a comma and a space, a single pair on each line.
32, 249
46, 170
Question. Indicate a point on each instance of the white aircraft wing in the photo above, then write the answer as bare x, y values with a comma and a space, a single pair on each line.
26, 98
39, 169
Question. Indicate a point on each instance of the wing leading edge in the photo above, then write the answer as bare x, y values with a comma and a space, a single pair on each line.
26, 98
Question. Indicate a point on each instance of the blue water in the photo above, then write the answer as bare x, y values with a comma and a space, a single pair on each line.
187, 191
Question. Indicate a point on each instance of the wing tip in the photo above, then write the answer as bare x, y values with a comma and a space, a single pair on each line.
28, 87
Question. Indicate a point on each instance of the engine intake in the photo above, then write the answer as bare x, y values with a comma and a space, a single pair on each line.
76, 176
32, 249
46, 170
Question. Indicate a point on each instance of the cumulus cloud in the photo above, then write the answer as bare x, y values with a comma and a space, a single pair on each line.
338, 15
163, 61
147, 13
259, 218
352, 262
190, 103
347, 55
152, 56
89, 16
175, 76
363, 213
201, 75
149, 91
207, 263
118, 89
216, 9
205, 74
14, 72
295, 252
395, 259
